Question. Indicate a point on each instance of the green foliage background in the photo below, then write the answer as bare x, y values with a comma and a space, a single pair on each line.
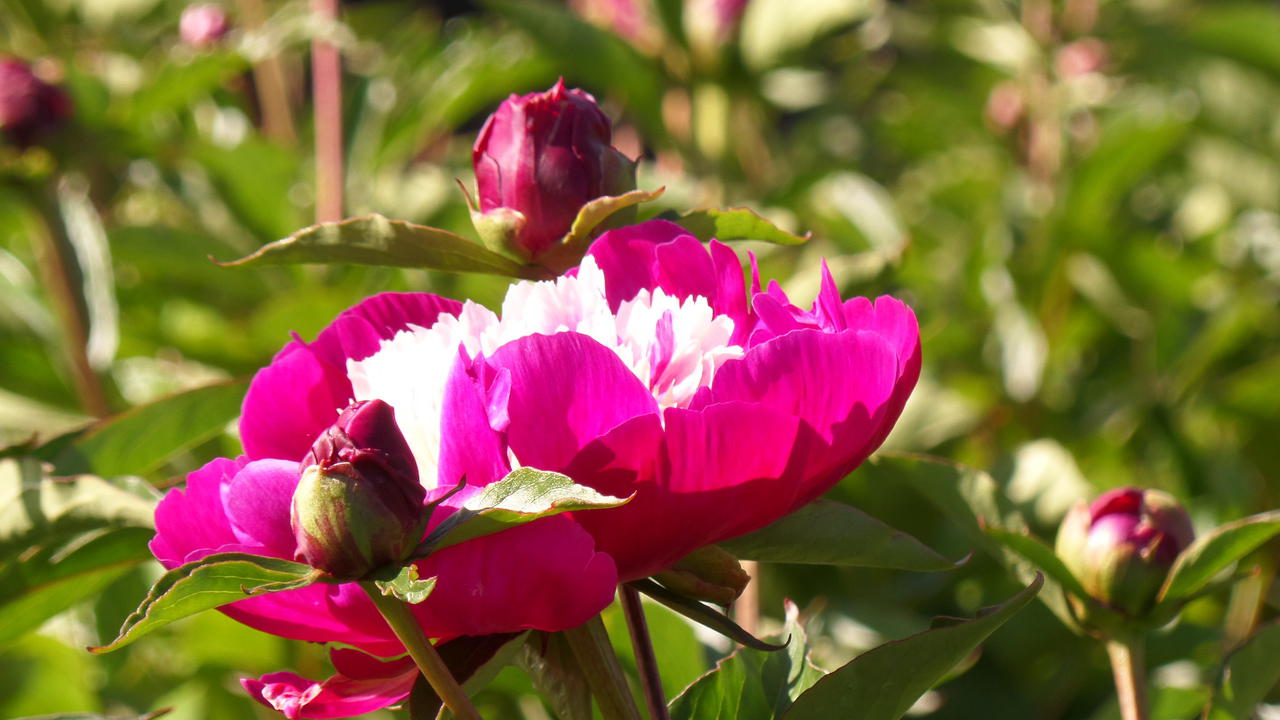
1080, 200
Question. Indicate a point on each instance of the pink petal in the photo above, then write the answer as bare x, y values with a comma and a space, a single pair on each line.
471, 447
193, 519
358, 331
544, 575
290, 402
566, 390
626, 256
257, 502
337, 697
893, 320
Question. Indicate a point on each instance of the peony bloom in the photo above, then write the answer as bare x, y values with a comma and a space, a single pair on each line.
650, 369
202, 25
544, 156
29, 107
1122, 545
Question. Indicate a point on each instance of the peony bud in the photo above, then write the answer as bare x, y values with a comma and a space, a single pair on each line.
203, 25
359, 505
1122, 546
538, 160
709, 574
29, 107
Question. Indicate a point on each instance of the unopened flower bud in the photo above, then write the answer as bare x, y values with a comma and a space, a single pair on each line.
29, 107
539, 158
709, 574
359, 504
203, 24
1122, 546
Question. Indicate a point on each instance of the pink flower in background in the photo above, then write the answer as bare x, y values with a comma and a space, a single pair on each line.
544, 156
649, 370
30, 108
203, 25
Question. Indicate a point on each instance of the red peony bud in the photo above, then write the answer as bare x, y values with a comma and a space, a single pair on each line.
203, 24
1122, 546
359, 504
539, 158
29, 107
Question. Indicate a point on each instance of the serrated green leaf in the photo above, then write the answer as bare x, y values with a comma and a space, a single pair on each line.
1214, 551
735, 224
826, 532
205, 584
750, 683
523, 496
1035, 551
43, 583
703, 614
376, 240
1248, 675
406, 587
142, 438
883, 683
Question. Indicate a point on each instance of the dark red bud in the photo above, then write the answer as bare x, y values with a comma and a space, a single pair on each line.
29, 107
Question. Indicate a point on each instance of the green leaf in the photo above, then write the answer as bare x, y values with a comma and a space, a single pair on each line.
47, 580
572, 246
752, 684
141, 439
473, 661
1035, 551
883, 683
826, 532
974, 501
1215, 550
1248, 675
550, 663
376, 240
406, 587
523, 496
735, 224
702, 614
37, 510
96, 716
205, 584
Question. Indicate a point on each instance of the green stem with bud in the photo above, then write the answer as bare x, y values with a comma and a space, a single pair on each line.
424, 655
1128, 667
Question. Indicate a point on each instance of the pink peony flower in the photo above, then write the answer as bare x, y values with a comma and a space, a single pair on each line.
649, 369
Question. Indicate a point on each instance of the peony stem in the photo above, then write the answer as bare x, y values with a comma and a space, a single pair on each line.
424, 655
591, 649
642, 644
326, 75
1129, 669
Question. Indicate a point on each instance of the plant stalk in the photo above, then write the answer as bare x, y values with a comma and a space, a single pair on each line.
423, 653
326, 87
642, 645
591, 649
1128, 667
746, 609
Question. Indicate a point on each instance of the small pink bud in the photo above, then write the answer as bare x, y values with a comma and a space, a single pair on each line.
1084, 56
203, 25
544, 156
1122, 546
358, 505
29, 107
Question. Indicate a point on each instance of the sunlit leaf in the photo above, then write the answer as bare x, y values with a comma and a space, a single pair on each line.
1214, 551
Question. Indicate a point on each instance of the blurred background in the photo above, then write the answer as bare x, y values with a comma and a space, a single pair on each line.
1079, 198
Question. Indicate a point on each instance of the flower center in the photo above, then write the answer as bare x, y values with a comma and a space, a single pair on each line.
674, 347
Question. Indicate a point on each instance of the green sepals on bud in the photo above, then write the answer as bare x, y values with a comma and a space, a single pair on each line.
1121, 548
359, 505
708, 574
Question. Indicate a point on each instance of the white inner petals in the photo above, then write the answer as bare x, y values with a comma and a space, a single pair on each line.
673, 347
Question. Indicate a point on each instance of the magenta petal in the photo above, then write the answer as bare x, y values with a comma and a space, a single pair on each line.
257, 502
566, 390
684, 268
193, 518
470, 446
544, 575
337, 697
363, 666
290, 402
699, 488
358, 331
896, 323
626, 256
